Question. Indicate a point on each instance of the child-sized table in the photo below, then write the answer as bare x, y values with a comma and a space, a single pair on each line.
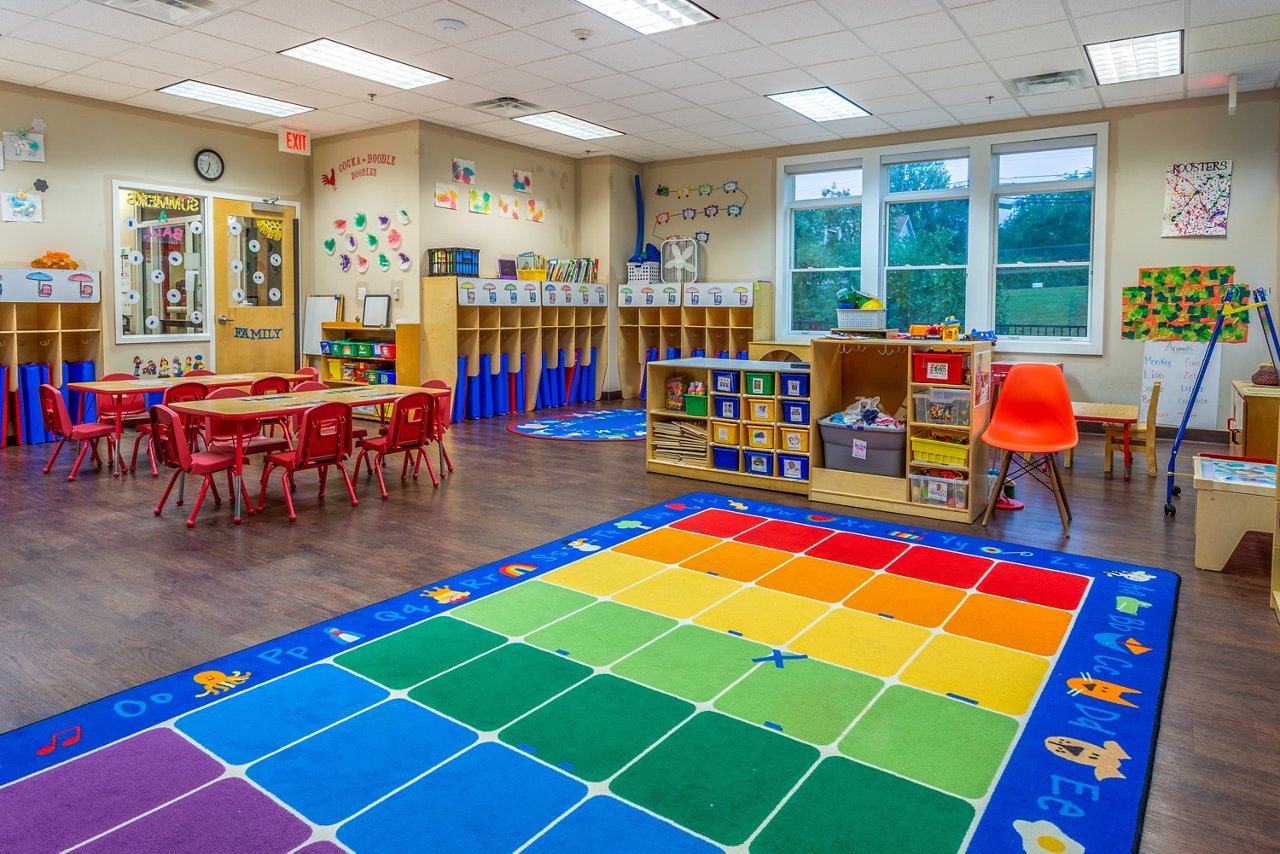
1233, 495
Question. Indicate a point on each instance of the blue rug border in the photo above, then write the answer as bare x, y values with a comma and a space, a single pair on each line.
133, 710
565, 416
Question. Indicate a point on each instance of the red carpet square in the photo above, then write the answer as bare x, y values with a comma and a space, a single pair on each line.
718, 523
855, 549
1038, 586
954, 570
787, 536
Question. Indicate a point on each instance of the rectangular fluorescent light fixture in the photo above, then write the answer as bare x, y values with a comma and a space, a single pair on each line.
1138, 58
651, 16
234, 98
823, 104
361, 63
567, 125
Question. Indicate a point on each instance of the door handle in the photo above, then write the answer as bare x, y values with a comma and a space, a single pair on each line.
223, 319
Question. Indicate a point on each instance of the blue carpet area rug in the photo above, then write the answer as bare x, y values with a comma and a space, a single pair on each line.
597, 425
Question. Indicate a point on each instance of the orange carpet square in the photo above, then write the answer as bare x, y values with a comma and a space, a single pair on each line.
906, 599
738, 561
666, 545
823, 580
1018, 625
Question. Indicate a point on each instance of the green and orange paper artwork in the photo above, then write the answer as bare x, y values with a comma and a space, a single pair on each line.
1180, 304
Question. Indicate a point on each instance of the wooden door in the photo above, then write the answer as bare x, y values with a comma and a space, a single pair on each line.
253, 287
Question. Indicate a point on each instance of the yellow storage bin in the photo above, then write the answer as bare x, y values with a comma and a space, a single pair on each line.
794, 439
759, 436
764, 409
927, 450
724, 432
333, 370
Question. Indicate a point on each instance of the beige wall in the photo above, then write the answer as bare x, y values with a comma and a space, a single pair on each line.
607, 224
89, 144
1143, 141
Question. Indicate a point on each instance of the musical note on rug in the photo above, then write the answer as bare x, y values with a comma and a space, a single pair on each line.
54, 743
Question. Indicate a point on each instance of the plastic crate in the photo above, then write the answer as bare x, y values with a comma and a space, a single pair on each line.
793, 385
333, 370
794, 439
324, 348
727, 408
695, 404
453, 261
725, 459
758, 382
364, 349
385, 351
940, 492
860, 318
758, 462
868, 450
932, 367
927, 450
763, 409
795, 411
724, 432
760, 435
945, 406
346, 348
793, 467
645, 273
724, 381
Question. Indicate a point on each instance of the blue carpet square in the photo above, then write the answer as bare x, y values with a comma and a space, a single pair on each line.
248, 726
338, 772
489, 799
607, 824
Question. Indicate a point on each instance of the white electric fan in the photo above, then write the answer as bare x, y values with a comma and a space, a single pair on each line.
679, 260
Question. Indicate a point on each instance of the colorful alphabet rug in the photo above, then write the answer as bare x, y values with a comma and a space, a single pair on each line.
595, 425
702, 674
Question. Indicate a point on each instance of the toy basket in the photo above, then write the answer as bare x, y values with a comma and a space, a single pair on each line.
860, 318
926, 450
645, 273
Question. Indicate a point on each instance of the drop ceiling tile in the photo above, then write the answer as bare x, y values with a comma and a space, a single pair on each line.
864, 14
931, 117
1141, 88
253, 31
748, 140
1209, 83
995, 16
509, 81
934, 56
10, 20
1119, 24
564, 98
25, 73
352, 88
1235, 33
1017, 42
244, 81
145, 56
1229, 59
984, 112
97, 18
1203, 14
453, 62
756, 60
686, 116
830, 47
569, 68
385, 7
973, 74
883, 87
712, 93
749, 108
165, 103
614, 86
1081, 8
1262, 76
310, 97
795, 21
417, 102
786, 119
71, 39
422, 18
522, 13
811, 132
92, 87
456, 116
128, 75
370, 112
704, 40
779, 81
285, 69
718, 128
701, 146
638, 124
683, 73
215, 50
898, 104
851, 70
1152, 100
42, 56
322, 123
560, 32
865, 126
320, 17
673, 135
459, 92
396, 42
1039, 63
602, 112
655, 102
513, 47
970, 94
933, 28
1051, 101
630, 55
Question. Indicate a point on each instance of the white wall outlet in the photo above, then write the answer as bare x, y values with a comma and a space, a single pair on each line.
395, 294
360, 292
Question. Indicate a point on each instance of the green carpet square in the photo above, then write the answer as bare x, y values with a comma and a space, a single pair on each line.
811, 700
523, 608
717, 776
934, 739
601, 634
596, 728
692, 662
408, 657
499, 687
846, 806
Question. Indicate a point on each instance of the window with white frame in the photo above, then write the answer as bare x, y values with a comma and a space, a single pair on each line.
1000, 231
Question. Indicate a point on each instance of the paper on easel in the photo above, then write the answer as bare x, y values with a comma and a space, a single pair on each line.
1175, 365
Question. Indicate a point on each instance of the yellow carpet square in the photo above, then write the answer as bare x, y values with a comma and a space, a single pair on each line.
678, 593
737, 560
762, 615
864, 642
603, 574
667, 545
996, 678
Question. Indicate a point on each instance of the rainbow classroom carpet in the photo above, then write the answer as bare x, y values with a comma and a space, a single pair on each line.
703, 674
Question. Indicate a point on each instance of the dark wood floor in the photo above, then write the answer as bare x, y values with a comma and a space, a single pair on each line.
97, 595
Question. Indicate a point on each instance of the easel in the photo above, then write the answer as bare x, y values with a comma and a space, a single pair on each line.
1233, 302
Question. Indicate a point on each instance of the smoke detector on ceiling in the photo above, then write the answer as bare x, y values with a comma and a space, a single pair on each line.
1043, 84
507, 107
181, 13
451, 25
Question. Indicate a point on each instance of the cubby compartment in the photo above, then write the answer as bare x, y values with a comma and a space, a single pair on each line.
761, 409
940, 492
758, 462
760, 435
87, 315
468, 317
34, 316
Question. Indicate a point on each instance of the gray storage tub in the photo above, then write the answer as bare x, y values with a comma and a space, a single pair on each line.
886, 449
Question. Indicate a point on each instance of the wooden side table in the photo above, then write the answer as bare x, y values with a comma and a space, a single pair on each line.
1124, 415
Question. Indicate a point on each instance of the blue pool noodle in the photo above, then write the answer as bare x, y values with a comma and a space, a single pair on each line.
486, 386
501, 390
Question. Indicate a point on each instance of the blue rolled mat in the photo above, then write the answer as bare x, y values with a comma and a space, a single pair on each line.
521, 388
540, 391
498, 394
29, 404
473, 395
575, 384
486, 387
460, 392
591, 378
4, 403
82, 372
560, 397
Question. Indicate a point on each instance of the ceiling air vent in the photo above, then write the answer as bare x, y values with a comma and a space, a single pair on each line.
1043, 84
180, 13
506, 106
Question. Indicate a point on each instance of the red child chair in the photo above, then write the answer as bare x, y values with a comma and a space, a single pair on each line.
308, 374
133, 411
409, 430
1033, 417
443, 419
324, 441
199, 372
180, 393
58, 422
273, 385
221, 433
174, 447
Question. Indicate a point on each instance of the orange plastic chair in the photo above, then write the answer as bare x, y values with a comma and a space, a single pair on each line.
1033, 417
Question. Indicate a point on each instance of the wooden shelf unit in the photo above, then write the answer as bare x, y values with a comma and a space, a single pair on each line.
50, 333
702, 370
714, 328
846, 369
407, 363
453, 330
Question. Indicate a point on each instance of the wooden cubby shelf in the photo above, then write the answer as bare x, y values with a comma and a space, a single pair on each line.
49, 333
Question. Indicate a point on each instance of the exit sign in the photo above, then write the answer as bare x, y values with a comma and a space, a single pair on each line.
295, 141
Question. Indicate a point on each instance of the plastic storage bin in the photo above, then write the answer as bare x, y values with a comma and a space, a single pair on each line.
925, 449
725, 458
795, 411
324, 348
760, 435
345, 348
724, 433
794, 439
793, 467
794, 385
727, 407
933, 367
724, 381
364, 349
758, 462
695, 404
758, 382
948, 407
868, 450
385, 351
761, 409
453, 261
940, 492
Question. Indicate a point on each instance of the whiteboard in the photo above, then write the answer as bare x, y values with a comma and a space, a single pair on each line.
1175, 365
319, 309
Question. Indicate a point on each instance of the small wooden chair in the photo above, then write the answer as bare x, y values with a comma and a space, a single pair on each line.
1142, 434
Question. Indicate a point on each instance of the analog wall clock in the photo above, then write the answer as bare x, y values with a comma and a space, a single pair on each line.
209, 164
